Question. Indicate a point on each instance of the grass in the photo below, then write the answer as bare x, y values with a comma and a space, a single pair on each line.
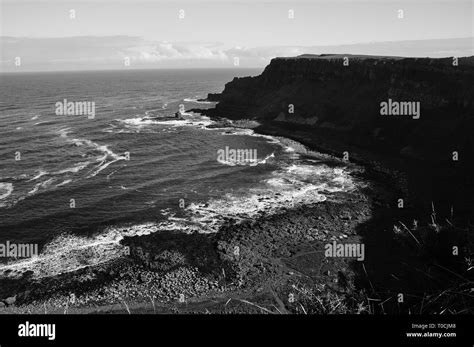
445, 253
438, 253
323, 300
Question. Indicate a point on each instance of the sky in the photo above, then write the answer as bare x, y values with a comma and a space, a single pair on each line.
55, 35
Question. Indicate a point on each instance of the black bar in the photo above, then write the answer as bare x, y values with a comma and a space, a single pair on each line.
91, 330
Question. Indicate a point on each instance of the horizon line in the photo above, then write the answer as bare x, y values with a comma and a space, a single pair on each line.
132, 69
226, 68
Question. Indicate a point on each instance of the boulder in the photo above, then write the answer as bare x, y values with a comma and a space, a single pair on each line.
10, 301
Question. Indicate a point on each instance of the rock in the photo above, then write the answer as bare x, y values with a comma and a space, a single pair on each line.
213, 97
345, 216
24, 296
10, 301
2, 305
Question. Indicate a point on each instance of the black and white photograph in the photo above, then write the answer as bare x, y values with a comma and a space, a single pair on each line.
251, 160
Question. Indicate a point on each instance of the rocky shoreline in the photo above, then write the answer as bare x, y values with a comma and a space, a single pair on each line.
174, 272
273, 264
167, 272
276, 263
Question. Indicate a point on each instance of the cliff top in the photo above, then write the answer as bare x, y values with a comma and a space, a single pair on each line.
466, 61
340, 56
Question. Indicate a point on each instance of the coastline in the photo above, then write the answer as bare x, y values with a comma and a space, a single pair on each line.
105, 285
280, 266
271, 262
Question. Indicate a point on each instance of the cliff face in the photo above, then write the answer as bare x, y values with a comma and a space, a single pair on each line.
324, 96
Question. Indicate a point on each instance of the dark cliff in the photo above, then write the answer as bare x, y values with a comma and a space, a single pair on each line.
342, 102
337, 108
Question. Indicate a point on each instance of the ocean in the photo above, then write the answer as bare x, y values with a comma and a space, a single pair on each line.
76, 186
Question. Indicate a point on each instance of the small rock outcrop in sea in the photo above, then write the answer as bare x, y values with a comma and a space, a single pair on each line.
176, 116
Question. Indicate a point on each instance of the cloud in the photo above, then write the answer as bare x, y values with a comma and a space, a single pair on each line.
167, 51
85, 52
110, 52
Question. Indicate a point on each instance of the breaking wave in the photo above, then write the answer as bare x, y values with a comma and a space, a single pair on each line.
107, 158
5, 190
197, 101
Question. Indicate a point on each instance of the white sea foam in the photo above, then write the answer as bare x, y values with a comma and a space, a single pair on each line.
149, 113
250, 132
246, 163
74, 169
292, 185
112, 173
42, 185
45, 121
102, 159
197, 101
15, 178
190, 120
40, 173
267, 158
64, 183
103, 165
67, 252
138, 121
5, 190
